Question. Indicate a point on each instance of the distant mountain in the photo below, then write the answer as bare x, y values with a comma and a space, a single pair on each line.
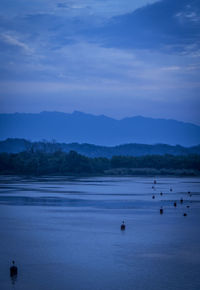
19, 145
100, 130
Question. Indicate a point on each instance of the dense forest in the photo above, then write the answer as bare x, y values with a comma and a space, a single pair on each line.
62, 163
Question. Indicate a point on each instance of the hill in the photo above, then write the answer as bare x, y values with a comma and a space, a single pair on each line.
19, 145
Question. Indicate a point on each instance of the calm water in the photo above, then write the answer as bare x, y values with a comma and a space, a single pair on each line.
65, 233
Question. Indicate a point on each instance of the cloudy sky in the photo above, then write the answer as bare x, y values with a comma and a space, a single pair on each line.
114, 57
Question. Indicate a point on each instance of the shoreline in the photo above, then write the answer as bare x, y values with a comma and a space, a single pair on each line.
82, 175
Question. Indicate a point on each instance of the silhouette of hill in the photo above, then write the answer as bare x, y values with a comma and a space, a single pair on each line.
99, 130
19, 145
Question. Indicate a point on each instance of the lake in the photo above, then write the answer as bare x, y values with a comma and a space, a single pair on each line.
64, 233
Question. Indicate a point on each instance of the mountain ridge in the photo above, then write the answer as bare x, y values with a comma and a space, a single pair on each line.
76, 112
97, 129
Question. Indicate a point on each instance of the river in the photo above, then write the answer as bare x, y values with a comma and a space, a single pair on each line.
64, 233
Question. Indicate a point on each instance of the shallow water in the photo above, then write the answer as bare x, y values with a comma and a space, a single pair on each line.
64, 233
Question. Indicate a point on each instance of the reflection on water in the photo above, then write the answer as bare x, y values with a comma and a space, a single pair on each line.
65, 233
13, 279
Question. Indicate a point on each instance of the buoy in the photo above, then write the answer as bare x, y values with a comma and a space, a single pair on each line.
161, 193
161, 210
188, 206
175, 204
181, 200
13, 270
184, 214
123, 226
170, 189
153, 196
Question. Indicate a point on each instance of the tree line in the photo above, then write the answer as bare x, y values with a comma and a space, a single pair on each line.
43, 163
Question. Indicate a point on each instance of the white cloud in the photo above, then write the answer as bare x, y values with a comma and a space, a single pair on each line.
14, 41
188, 14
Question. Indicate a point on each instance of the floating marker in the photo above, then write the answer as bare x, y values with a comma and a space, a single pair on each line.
13, 270
123, 226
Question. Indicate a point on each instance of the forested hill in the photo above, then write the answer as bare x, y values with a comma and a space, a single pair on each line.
99, 130
89, 150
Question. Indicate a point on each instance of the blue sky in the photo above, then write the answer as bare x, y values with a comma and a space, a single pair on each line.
114, 57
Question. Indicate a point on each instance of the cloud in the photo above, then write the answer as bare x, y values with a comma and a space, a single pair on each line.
189, 13
14, 41
88, 65
108, 8
100, 52
103, 9
188, 16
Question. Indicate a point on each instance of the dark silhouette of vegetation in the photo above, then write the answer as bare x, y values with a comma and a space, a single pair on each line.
44, 163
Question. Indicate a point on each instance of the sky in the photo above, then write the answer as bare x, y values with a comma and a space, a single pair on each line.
114, 57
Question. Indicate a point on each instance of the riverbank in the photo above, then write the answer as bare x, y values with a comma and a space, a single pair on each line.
118, 172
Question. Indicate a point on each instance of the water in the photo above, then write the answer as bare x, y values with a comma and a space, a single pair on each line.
64, 233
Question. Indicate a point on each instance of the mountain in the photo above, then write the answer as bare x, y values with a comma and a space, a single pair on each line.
19, 145
100, 130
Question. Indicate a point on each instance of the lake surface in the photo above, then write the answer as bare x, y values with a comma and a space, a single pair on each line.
64, 233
